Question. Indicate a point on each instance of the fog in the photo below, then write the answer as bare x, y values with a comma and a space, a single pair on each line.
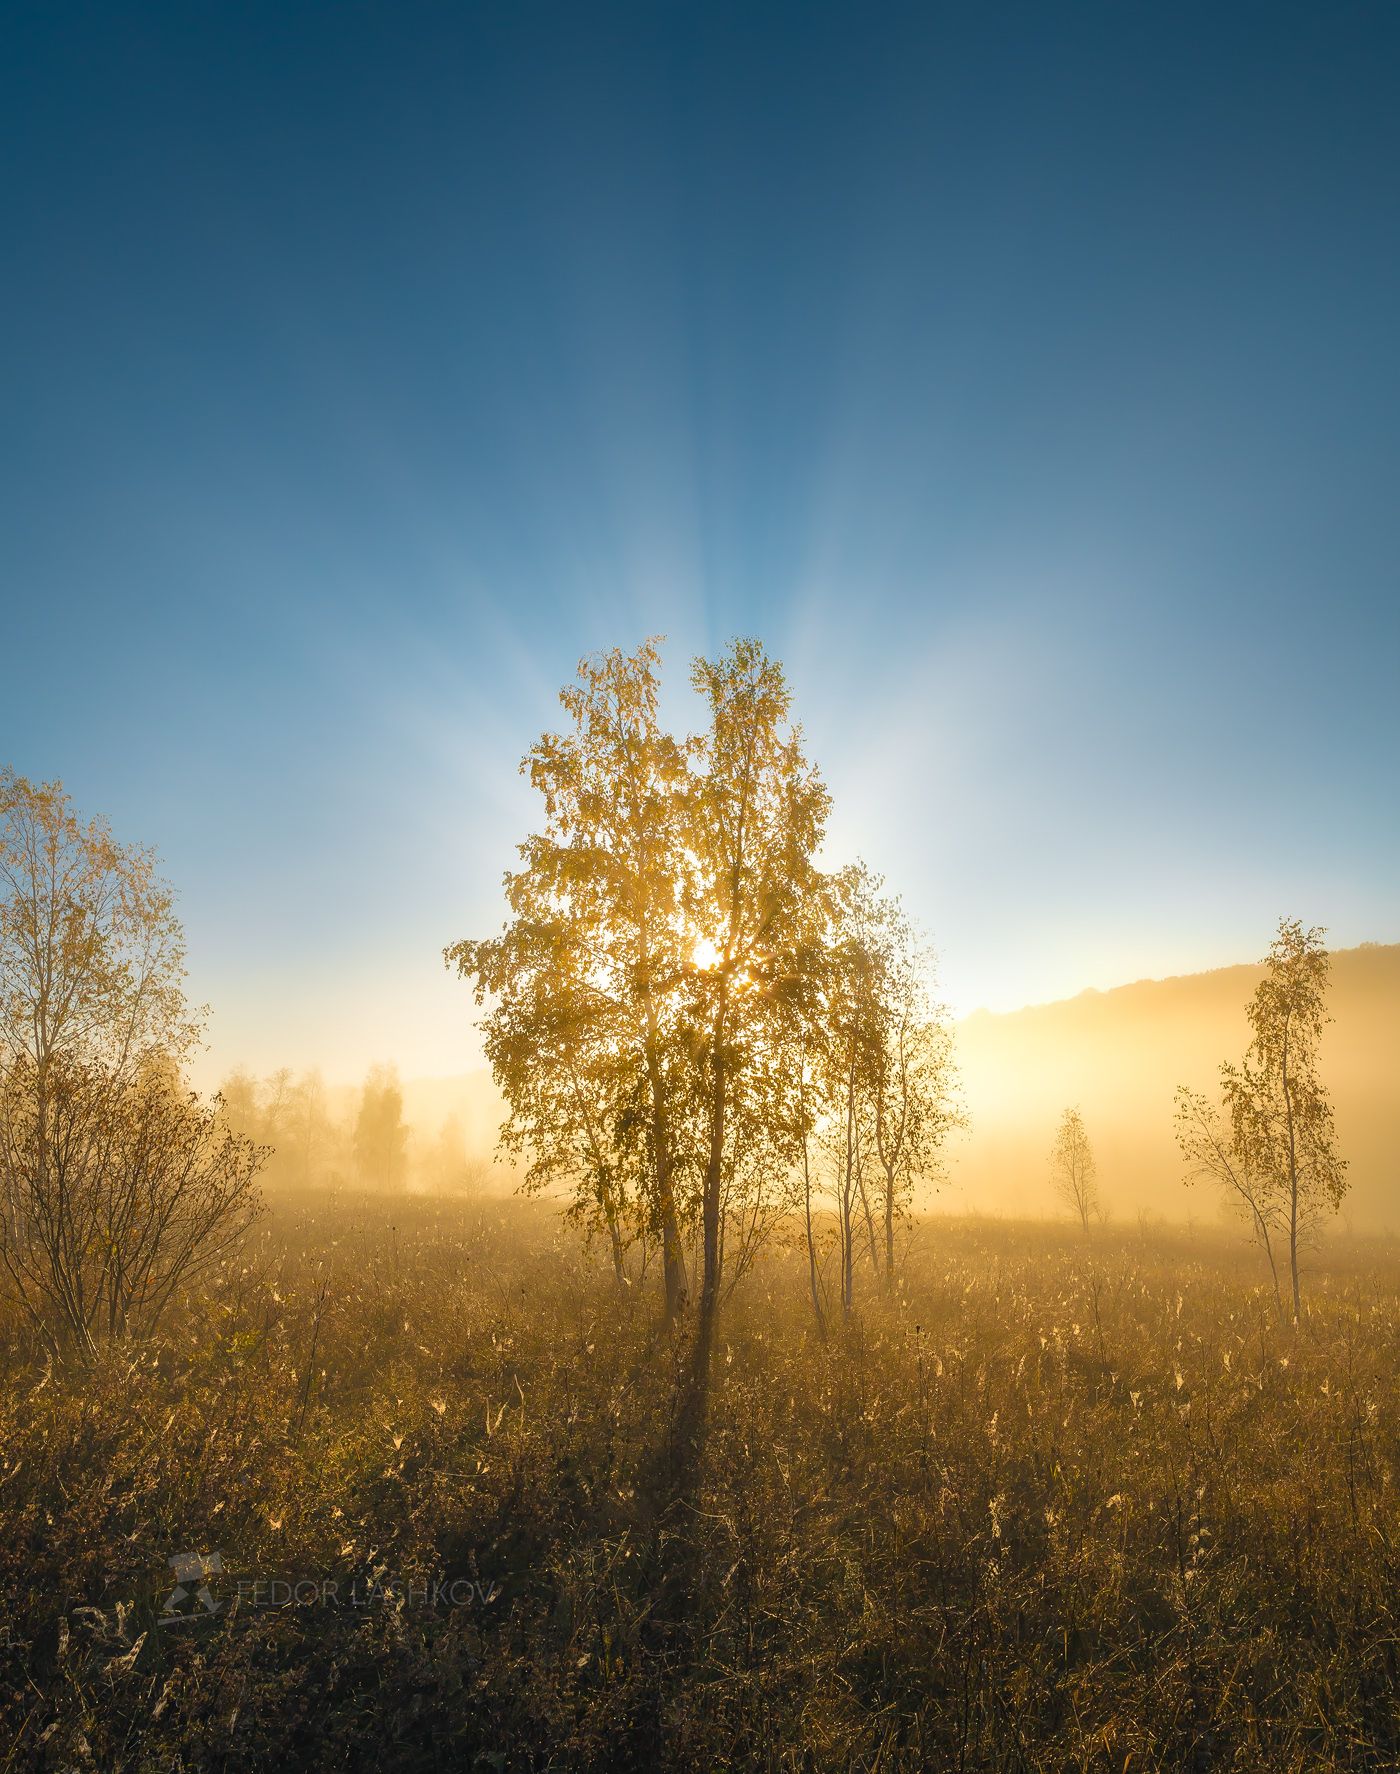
1119, 1056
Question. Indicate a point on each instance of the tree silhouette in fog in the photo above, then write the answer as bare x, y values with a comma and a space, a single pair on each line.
1073, 1172
1273, 1145
381, 1139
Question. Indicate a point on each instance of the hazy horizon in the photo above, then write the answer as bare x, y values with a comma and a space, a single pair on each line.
1118, 1052
212, 1062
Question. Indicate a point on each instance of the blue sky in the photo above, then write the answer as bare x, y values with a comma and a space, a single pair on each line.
1026, 376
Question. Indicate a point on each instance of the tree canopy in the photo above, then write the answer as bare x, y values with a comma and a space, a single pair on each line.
684, 1007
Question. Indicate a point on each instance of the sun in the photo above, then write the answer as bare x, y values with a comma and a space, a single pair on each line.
705, 955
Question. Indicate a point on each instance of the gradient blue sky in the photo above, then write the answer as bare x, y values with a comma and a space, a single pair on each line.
1026, 376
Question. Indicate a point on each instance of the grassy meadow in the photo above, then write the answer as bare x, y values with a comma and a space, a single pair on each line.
1059, 1503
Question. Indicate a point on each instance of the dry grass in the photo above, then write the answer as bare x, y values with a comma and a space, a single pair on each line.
1056, 1506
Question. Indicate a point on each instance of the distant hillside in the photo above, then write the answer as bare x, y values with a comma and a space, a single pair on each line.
1120, 1055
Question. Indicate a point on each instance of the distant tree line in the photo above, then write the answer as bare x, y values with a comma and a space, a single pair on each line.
318, 1138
